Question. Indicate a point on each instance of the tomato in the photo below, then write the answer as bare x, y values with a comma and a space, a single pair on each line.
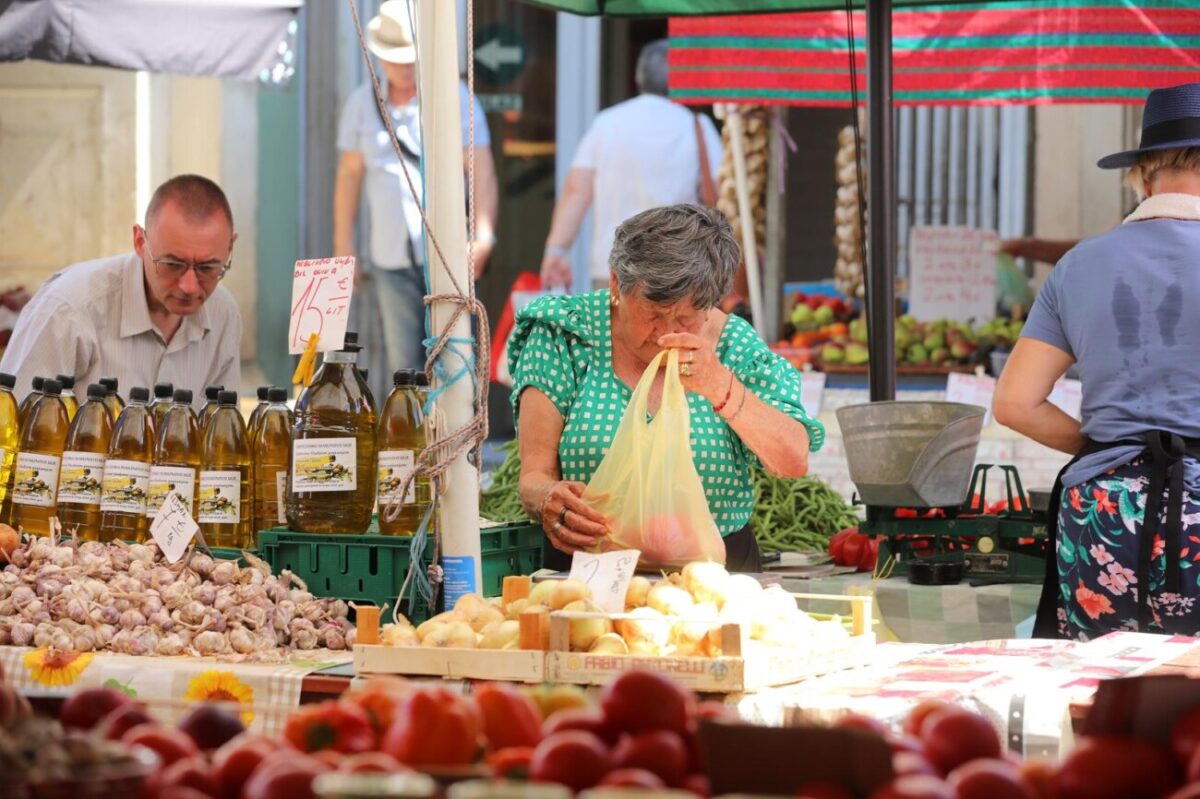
852, 549
916, 718
379, 700
837, 545
905, 743
576, 759
1039, 775
906, 513
284, 775
1185, 737
122, 720
510, 718
657, 751
1113, 767
857, 721
170, 745
331, 757
912, 763
824, 790
191, 772
84, 709
697, 784
954, 736
633, 778
371, 763
584, 719
915, 786
870, 556
989, 779
340, 726
637, 701
234, 762
434, 727
512, 763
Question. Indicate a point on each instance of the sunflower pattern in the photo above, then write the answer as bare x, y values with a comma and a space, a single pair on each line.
1099, 532
55, 669
221, 686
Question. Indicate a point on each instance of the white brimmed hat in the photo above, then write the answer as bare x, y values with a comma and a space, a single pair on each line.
389, 34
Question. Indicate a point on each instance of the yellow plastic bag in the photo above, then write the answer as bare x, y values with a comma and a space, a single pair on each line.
647, 483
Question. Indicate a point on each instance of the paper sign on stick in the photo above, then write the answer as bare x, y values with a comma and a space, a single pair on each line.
952, 274
607, 574
321, 291
173, 528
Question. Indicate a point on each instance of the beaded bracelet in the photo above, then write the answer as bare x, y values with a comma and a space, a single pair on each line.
728, 393
742, 404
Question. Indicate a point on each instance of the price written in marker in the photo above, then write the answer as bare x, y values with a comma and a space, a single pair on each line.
607, 574
321, 292
173, 528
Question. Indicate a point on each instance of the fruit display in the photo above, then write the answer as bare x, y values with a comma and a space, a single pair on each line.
848, 231
937, 344
125, 598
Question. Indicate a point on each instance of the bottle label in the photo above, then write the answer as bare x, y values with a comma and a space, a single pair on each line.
80, 478
164, 480
395, 465
126, 485
324, 464
281, 497
220, 497
36, 480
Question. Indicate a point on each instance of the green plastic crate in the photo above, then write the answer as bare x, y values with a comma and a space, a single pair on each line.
371, 567
225, 553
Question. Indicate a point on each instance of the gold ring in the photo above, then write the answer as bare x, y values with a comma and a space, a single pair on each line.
686, 370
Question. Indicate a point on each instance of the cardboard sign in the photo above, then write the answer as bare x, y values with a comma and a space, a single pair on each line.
321, 291
972, 390
607, 574
173, 528
952, 274
812, 392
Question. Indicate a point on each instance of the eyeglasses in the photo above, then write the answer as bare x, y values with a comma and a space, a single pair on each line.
206, 271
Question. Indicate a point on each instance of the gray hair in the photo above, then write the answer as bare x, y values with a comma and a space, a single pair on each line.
676, 253
651, 74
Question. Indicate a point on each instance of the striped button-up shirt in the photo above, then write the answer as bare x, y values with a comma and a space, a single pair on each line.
91, 320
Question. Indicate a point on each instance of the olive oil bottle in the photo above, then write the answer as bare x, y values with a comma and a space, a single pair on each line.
35, 393
113, 401
163, 393
401, 440
212, 396
82, 474
176, 456
225, 497
127, 472
43, 438
68, 394
272, 448
10, 440
331, 485
263, 392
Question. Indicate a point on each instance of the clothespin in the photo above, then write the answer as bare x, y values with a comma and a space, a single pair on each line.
303, 375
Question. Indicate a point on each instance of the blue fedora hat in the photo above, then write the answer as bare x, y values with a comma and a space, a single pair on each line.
1171, 120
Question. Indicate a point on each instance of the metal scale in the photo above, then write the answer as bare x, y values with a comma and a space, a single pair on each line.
913, 464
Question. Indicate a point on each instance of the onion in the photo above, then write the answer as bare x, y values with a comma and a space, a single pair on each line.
541, 592
568, 591
584, 632
455, 635
669, 599
482, 616
399, 635
437, 621
609, 644
638, 591
644, 626
504, 635
706, 581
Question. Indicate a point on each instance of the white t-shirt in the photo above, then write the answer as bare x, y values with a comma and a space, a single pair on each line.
645, 156
391, 208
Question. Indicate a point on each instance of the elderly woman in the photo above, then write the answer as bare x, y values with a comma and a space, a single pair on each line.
1122, 306
574, 360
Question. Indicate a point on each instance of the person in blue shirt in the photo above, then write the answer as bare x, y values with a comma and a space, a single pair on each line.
1125, 518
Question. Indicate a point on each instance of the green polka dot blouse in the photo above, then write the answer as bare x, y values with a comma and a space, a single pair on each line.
562, 345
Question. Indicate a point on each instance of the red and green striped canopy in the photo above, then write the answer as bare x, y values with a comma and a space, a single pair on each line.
1033, 52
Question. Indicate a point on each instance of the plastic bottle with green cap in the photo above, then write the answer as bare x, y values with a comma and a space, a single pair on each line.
82, 474
176, 455
43, 438
10, 439
163, 399
401, 441
127, 472
331, 485
68, 394
113, 401
225, 501
272, 448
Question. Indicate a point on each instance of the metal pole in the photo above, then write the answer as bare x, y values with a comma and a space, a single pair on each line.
881, 204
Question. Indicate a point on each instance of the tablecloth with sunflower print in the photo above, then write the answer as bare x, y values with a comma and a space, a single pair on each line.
265, 692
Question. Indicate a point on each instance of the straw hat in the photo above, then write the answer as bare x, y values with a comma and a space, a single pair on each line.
389, 34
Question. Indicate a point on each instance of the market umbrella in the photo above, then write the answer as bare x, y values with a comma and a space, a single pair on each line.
244, 39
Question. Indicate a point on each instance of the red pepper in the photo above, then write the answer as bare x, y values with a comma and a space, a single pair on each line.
511, 763
340, 726
837, 545
434, 727
510, 718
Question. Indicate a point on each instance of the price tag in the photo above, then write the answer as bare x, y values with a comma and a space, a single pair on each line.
607, 574
812, 392
173, 528
952, 273
321, 291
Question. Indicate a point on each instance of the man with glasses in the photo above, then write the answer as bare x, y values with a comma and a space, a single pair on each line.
155, 315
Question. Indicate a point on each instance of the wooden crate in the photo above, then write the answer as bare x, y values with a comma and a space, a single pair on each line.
512, 665
730, 673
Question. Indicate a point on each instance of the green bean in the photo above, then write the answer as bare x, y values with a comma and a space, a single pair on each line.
502, 502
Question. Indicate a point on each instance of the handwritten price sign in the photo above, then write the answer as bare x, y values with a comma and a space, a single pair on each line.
607, 574
952, 274
321, 291
173, 528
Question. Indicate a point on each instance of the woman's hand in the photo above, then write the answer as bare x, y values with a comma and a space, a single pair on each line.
699, 368
571, 523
